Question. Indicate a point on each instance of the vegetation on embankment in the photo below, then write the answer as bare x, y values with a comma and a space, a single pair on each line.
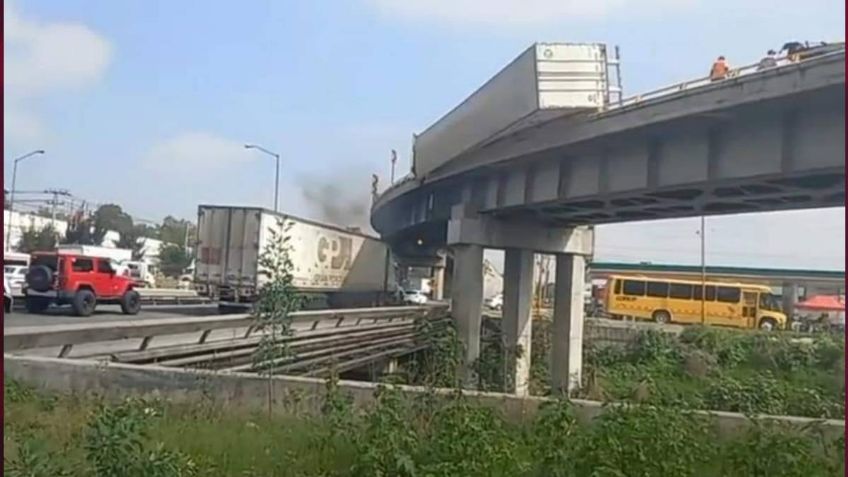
703, 368
64, 435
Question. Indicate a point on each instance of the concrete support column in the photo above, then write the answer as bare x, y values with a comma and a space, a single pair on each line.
567, 336
517, 320
467, 300
438, 283
790, 297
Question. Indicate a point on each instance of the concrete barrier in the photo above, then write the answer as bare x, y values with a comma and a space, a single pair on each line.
295, 394
602, 332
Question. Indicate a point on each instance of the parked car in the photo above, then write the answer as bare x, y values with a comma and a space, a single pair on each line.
80, 281
414, 297
16, 274
495, 302
8, 299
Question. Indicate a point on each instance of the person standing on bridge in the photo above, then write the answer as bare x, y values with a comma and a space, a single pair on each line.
719, 70
769, 61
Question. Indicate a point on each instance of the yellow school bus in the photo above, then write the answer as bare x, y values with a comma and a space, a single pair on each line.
740, 305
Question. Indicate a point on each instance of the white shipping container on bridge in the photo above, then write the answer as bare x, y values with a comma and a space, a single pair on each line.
546, 81
344, 267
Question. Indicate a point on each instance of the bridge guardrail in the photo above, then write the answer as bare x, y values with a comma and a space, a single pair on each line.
746, 70
66, 336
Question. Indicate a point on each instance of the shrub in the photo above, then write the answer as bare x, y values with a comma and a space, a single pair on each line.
643, 441
774, 450
466, 439
759, 394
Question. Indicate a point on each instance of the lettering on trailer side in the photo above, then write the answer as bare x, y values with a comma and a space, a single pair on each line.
337, 250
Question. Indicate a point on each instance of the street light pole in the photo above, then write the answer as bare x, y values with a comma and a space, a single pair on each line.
12, 194
277, 175
394, 161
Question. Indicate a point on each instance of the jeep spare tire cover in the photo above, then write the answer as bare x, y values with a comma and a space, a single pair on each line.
39, 278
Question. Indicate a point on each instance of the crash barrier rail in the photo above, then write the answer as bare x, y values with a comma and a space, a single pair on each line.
323, 341
782, 63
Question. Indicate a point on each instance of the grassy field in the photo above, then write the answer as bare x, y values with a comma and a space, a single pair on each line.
65, 435
703, 368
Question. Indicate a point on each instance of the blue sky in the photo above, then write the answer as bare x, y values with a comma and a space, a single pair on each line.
147, 103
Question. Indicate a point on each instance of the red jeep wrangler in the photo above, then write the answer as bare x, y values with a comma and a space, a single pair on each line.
80, 281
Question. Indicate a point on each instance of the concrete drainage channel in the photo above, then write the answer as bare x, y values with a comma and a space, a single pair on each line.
322, 342
190, 359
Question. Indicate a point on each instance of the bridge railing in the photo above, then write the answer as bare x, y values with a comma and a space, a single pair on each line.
782, 62
67, 336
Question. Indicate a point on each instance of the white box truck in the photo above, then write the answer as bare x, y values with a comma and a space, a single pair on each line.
545, 81
333, 266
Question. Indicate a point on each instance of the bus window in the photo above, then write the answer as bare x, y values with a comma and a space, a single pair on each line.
728, 294
634, 287
618, 287
710, 289
680, 291
769, 302
658, 289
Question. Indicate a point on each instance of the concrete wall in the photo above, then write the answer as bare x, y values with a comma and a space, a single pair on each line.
292, 394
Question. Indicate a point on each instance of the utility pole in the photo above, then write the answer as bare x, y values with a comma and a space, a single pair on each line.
394, 161
54, 202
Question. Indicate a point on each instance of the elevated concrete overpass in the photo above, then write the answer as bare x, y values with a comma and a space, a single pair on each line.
757, 141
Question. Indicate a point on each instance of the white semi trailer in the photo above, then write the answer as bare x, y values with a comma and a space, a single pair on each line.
546, 81
331, 265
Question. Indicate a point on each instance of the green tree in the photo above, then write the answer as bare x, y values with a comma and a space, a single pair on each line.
112, 217
174, 230
35, 240
278, 298
83, 231
173, 259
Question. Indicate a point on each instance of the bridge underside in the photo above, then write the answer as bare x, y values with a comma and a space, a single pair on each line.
786, 155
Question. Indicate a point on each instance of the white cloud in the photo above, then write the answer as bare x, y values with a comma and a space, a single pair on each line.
46, 57
41, 58
197, 153
519, 13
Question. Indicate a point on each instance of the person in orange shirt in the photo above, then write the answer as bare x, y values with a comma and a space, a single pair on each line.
719, 70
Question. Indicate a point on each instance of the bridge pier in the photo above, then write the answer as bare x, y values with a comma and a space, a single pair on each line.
567, 333
467, 301
790, 298
468, 234
517, 321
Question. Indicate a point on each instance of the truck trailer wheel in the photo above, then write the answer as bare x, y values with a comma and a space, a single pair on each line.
131, 303
84, 303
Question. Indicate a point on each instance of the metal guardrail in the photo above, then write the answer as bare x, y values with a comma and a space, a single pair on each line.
66, 336
782, 62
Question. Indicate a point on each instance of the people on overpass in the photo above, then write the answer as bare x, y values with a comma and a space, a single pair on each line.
769, 61
793, 50
720, 69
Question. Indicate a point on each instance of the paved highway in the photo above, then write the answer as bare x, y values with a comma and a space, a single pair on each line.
63, 315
